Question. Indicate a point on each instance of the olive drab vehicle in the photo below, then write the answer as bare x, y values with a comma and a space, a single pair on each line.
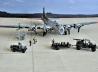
85, 43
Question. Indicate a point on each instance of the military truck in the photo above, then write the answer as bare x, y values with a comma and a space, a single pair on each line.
85, 43
18, 48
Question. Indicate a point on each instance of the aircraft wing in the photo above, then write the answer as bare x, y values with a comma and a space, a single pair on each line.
14, 26
79, 25
82, 24
89, 23
29, 26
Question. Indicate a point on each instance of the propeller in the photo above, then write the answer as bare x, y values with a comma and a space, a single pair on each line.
79, 27
67, 29
76, 27
19, 27
34, 29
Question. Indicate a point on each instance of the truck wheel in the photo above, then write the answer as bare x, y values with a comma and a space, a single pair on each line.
52, 45
93, 49
78, 47
13, 50
56, 48
69, 45
23, 51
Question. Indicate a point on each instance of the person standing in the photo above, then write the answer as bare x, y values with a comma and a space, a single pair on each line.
35, 40
53, 41
30, 42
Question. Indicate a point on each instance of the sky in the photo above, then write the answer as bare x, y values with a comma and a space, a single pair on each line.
53, 6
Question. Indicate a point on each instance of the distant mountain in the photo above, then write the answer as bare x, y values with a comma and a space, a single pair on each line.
50, 15
3, 14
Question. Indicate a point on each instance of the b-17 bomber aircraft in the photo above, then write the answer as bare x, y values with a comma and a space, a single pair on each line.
50, 25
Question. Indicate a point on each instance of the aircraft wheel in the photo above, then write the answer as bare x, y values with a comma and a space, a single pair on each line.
65, 32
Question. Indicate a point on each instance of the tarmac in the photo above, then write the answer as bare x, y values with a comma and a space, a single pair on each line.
40, 57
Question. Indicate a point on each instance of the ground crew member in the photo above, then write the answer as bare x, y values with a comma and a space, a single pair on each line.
30, 42
35, 40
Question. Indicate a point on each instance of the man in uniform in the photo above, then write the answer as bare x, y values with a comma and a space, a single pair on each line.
30, 42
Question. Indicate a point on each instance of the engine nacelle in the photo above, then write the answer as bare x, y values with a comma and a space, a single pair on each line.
32, 29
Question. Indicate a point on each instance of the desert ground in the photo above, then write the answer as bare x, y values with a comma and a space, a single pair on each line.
40, 57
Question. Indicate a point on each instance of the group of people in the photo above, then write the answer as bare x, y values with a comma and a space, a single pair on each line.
34, 41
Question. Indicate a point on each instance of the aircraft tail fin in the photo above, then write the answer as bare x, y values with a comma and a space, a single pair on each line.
44, 14
44, 17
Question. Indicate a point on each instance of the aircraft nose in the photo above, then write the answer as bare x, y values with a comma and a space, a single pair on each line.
61, 31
